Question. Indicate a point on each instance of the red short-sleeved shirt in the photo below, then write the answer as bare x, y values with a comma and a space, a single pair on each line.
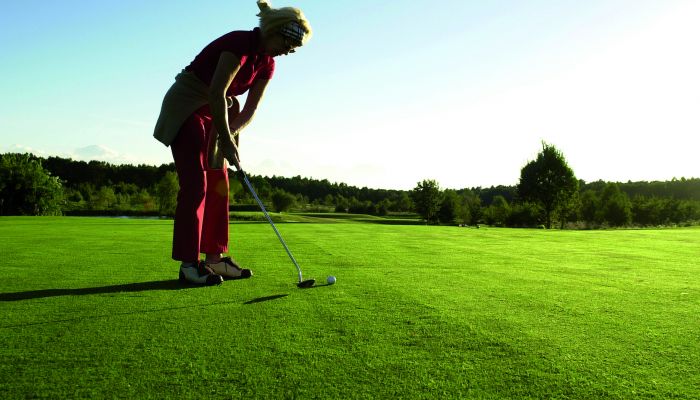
244, 44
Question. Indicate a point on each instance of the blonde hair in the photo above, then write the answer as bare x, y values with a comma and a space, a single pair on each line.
273, 19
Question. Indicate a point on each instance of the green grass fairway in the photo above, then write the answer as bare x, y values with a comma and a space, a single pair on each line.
91, 309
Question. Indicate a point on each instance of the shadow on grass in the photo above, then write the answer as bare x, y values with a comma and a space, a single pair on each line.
266, 298
315, 286
126, 288
319, 285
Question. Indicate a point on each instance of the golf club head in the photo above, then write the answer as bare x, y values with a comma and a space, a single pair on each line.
306, 284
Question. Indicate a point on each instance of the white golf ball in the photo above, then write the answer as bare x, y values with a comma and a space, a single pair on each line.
331, 280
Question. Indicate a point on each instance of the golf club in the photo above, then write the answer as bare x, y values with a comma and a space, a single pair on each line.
302, 283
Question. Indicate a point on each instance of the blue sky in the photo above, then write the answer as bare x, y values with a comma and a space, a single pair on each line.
385, 94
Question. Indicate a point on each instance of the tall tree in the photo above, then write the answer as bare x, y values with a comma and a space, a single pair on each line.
548, 181
427, 199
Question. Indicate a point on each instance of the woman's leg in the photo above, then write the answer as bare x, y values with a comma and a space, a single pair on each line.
189, 214
216, 217
215, 225
216, 211
215, 229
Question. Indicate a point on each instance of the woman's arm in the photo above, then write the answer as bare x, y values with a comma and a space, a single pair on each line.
226, 70
242, 119
255, 94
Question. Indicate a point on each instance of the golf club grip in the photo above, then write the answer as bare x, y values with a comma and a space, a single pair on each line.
262, 207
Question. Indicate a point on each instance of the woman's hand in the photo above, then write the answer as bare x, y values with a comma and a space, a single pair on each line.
230, 151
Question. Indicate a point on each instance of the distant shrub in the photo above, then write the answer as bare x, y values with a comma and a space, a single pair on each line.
26, 188
282, 201
525, 215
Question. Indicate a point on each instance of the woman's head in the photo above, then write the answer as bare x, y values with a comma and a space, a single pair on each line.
283, 29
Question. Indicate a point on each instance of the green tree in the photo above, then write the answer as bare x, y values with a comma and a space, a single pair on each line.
590, 207
647, 211
401, 202
498, 212
690, 211
548, 181
104, 199
26, 188
427, 199
525, 215
449, 207
166, 193
237, 193
341, 204
143, 201
569, 209
73, 200
464, 213
361, 207
470, 208
301, 200
616, 206
382, 208
282, 200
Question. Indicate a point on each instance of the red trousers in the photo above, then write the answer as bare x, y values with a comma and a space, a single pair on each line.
201, 216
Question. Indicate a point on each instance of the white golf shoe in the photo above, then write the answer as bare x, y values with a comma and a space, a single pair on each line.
199, 274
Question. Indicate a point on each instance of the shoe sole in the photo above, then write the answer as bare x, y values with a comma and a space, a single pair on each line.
245, 274
214, 281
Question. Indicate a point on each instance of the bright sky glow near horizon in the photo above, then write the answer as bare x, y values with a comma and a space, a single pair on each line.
385, 94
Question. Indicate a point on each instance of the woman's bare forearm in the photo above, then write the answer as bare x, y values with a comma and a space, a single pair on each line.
226, 70
240, 122
251, 105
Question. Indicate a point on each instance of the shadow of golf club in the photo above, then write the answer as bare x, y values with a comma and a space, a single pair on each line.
266, 298
125, 288
319, 285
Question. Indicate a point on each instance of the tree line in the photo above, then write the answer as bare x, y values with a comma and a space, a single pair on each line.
32, 185
548, 194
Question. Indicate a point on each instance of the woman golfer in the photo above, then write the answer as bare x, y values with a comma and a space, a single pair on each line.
201, 122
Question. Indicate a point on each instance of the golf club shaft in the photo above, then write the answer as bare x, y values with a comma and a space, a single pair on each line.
262, 207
